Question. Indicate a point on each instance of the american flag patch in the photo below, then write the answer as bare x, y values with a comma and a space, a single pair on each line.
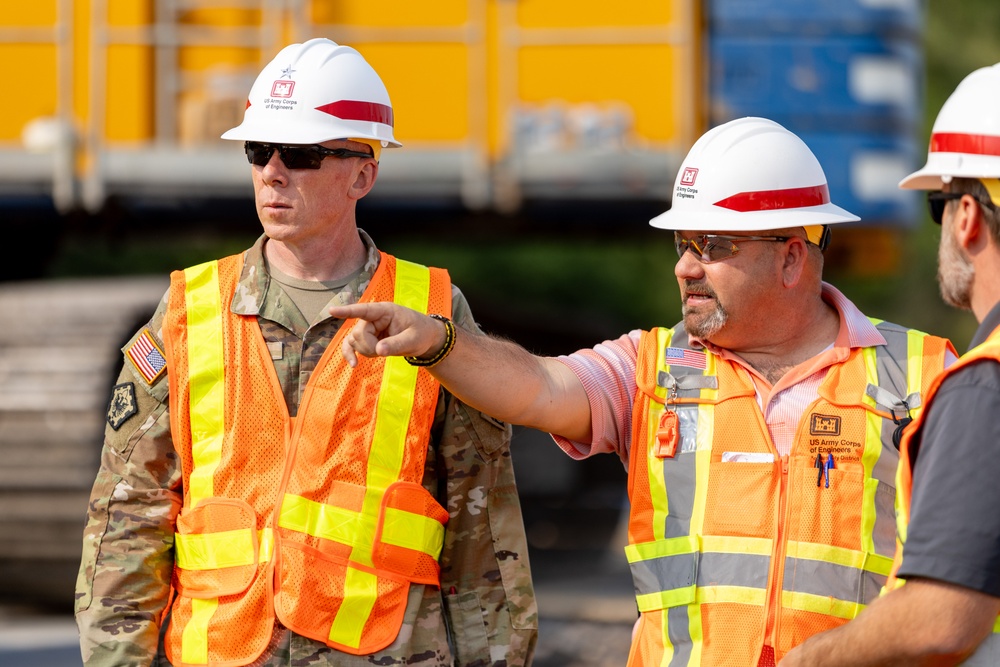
146, 356
681, 356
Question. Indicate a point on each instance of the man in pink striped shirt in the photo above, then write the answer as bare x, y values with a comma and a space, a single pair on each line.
760, 434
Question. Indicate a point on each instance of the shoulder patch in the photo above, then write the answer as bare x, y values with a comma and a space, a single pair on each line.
123, 404
146, 356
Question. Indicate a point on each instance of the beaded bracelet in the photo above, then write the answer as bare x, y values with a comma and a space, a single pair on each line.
449, 343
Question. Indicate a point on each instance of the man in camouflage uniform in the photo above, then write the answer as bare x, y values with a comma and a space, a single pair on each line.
484, 611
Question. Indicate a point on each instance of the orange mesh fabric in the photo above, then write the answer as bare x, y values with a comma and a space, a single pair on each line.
250, 469
798, 626
305, 572
733, 634
647, 648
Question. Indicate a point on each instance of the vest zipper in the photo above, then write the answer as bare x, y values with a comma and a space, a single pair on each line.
773, 610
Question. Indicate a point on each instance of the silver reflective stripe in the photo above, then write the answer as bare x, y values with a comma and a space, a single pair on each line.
747, 570
711, 569
884, 531
682, 382
665, 573
891, 365
679, 477
824, 579
679, 473
889, 402
679, 632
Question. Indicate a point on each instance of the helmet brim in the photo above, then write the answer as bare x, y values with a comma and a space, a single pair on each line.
724, 220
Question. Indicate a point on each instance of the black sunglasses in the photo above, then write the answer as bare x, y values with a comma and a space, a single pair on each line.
716, 247
296, 156
936, 202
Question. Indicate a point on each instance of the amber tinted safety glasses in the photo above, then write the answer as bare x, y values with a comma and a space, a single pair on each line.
297, 156
716, 247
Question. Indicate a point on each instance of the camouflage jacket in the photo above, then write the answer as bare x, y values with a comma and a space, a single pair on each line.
483, 614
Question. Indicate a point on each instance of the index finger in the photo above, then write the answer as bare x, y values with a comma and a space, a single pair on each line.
362, 311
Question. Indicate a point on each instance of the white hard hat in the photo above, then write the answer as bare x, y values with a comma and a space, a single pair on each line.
314, 92
965, 139
750, 174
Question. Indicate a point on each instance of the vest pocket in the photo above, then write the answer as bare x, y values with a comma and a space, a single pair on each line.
216, 548
410, 533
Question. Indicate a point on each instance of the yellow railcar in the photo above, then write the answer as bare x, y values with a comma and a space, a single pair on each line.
495, 100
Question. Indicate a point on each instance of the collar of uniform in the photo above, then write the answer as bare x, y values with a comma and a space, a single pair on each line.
253, 296
856, 330
989, 323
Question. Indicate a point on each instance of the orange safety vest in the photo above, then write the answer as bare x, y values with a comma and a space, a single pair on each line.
733, 548
988, 349
320, 520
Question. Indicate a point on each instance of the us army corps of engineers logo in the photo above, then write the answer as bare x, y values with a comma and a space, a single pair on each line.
122, 404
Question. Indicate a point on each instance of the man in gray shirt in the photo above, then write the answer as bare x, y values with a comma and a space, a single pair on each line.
949, 525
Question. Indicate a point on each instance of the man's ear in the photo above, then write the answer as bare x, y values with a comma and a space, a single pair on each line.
794, 260
968, 225
365, 179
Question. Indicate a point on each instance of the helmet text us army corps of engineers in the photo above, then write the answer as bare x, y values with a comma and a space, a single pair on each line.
965, 139
314, 92
750, 174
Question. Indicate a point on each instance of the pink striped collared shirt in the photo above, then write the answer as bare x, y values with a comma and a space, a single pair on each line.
607, 372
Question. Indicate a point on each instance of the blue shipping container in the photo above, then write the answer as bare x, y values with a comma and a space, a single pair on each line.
818, 83
863, 172
818, 17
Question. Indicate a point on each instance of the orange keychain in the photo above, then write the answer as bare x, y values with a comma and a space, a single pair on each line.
667, 435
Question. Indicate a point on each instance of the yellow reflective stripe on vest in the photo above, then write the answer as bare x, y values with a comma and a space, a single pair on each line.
412, 531
206, 366
392, 413
319, 520
265, 538
654, 467
206, 371
870, 562
195, 637
870, 454
360, 592
914, 364
392, 419
210, 551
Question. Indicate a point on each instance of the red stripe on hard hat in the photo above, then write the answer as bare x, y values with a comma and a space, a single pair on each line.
766, 200
976, 144
355, 110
